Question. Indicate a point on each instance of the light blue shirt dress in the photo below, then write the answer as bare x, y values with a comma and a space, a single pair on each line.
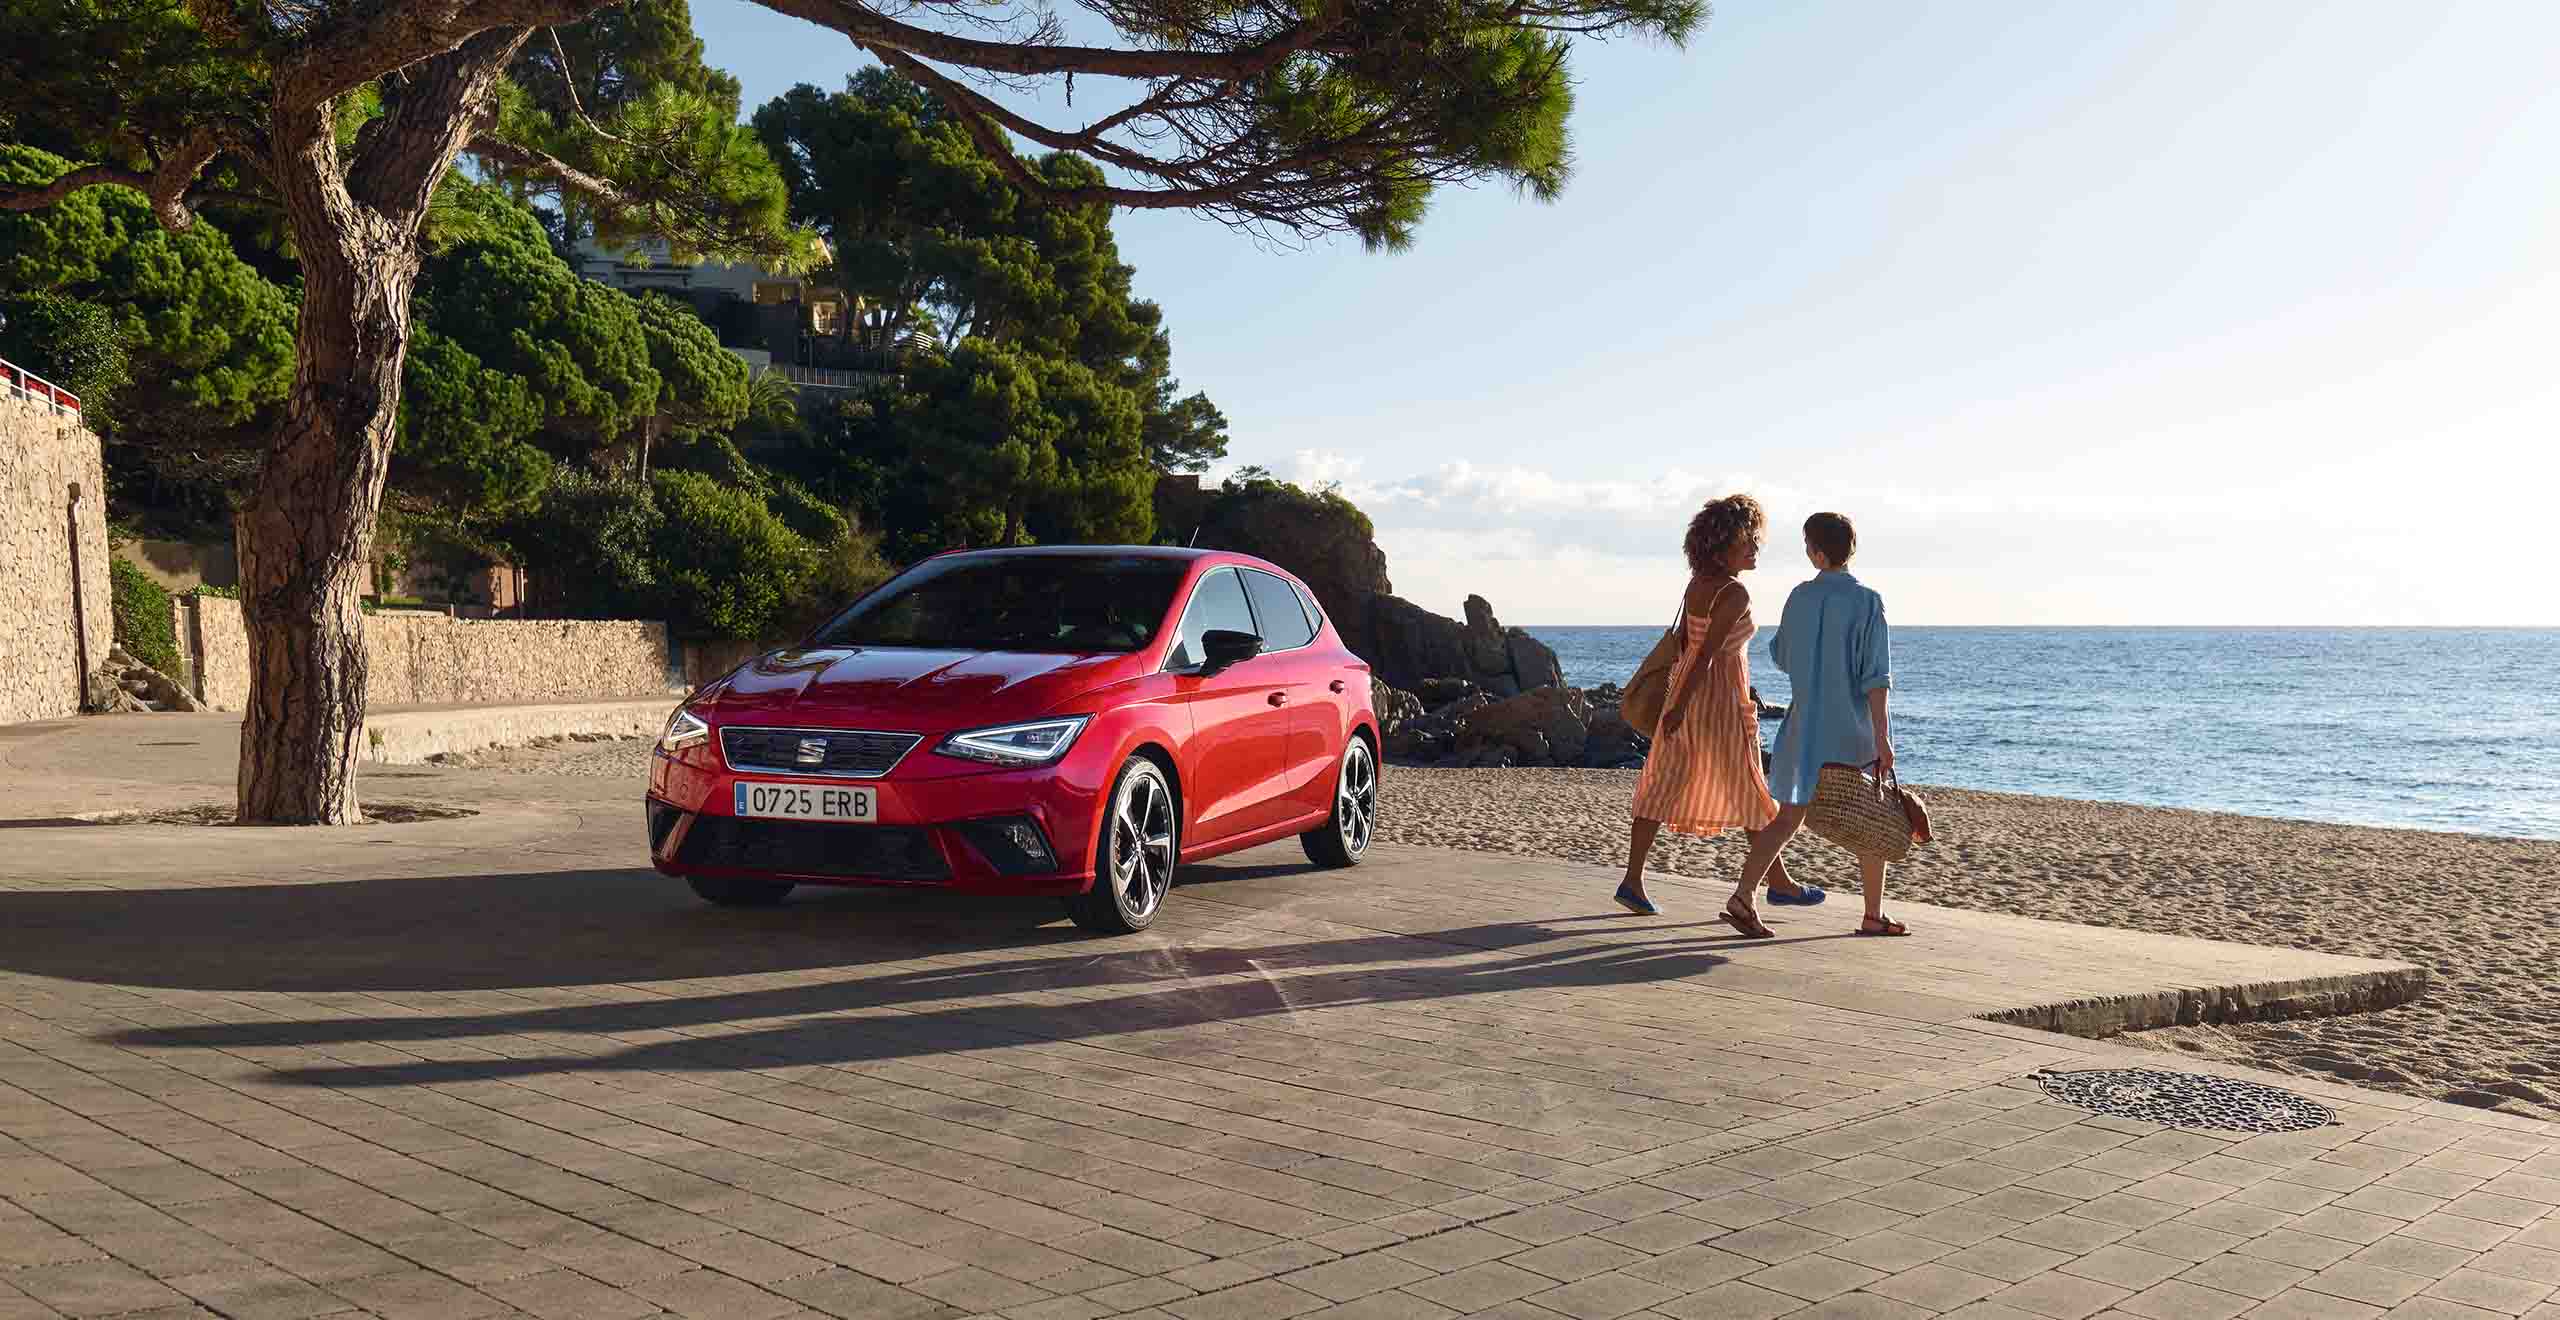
1833, 646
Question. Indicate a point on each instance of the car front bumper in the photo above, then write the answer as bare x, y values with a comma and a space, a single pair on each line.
963, 832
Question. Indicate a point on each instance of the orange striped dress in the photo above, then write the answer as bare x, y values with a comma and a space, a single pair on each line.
1704, 777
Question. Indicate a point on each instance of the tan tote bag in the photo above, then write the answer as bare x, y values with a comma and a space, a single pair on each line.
1641, 707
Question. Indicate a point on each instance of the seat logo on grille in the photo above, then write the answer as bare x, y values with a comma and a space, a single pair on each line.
813, 751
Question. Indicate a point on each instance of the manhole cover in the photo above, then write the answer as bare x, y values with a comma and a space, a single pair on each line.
2189, 1100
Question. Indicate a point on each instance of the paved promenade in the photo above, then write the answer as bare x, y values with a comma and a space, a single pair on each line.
492, 1067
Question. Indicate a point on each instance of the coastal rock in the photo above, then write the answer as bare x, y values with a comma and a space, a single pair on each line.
1422, 743
1333, 548
1316, 534
1439, 694
1486, 647
1550, 726
1611, 742
1409, 645
1533, 662
1394, 707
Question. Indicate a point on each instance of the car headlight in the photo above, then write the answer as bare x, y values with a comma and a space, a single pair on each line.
684, 729
1035, 743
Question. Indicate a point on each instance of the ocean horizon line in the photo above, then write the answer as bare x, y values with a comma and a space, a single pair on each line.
2160, 627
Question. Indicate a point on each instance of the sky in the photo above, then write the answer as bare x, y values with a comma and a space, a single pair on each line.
2177, 313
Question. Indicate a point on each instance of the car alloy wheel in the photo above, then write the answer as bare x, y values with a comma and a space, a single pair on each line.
1141, 839
1344, 839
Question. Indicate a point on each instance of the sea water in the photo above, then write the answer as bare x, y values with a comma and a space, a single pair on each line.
2424, 728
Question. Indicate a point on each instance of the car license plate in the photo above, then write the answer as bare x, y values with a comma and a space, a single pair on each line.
805, 802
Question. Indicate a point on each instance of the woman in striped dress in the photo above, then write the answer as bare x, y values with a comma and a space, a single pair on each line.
1704, 775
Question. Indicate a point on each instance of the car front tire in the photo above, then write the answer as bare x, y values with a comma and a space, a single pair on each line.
1141, 838
1344, 838
731, 892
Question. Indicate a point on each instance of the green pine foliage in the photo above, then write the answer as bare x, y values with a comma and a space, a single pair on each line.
210, 340
75, 344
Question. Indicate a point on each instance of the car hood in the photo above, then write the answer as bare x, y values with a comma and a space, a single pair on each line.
909, 689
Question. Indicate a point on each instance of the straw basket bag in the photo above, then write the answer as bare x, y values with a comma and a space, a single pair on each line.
1876, 819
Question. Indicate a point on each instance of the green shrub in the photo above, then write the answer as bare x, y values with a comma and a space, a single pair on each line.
144, 624
586, 548
847, 566
726, 565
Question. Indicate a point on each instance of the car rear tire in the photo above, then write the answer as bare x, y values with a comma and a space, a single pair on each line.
1344, 839
731, 892
1141, 837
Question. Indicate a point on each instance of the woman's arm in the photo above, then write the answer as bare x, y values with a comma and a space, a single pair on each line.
1877, 700
1875, 674
1728, 603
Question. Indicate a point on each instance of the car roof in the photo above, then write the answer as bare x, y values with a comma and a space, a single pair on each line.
1184, 554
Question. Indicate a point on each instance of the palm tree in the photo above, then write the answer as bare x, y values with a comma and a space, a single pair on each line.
773, 402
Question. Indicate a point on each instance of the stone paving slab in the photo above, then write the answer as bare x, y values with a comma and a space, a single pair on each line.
292, 1081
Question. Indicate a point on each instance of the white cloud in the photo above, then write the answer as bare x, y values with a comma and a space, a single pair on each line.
1550, 547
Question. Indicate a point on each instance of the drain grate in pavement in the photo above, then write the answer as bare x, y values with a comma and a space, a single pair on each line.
2190, 1100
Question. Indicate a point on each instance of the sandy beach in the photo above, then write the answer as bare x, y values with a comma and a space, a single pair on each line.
2473, 910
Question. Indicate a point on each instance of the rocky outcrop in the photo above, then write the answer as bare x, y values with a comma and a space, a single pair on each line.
1332, 547
1409, 646
1456, 723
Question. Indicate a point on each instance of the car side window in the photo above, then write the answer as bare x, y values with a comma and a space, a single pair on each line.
1275, 605
1315, 612
1217, 605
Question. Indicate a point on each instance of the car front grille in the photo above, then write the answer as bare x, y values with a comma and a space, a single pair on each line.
870, 852
834, 753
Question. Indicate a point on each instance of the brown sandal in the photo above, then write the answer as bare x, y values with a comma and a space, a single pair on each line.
1743, 918
1881, 925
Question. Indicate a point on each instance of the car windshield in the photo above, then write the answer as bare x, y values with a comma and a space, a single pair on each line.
1073, 604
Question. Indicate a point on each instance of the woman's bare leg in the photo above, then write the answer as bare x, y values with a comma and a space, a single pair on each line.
1779, 881
1640, 846
1766, 846
1872, 873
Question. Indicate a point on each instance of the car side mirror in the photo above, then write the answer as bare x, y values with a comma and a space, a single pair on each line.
1220, 649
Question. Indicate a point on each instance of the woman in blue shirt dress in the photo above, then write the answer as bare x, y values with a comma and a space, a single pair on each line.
1838, 656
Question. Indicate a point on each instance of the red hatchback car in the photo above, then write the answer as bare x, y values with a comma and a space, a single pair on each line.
1057, 721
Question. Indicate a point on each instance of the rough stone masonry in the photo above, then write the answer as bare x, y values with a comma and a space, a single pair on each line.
44, 654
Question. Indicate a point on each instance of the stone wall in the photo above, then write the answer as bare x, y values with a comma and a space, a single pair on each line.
421, 659
184, 565
43, 654
216, 647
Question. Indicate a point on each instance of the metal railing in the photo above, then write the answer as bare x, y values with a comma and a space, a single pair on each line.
829, 378
17, 382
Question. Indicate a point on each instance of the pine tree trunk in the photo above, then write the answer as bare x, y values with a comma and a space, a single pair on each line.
306, 534
306, 537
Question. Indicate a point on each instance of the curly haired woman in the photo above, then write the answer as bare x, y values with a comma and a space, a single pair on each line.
1704, 776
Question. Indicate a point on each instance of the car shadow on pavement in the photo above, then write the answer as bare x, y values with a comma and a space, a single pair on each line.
485, 932
885, 974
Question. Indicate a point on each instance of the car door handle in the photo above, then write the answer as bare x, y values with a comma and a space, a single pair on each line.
1279, 698
1339, 685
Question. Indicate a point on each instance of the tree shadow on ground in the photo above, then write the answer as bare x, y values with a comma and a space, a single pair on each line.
930, 1004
